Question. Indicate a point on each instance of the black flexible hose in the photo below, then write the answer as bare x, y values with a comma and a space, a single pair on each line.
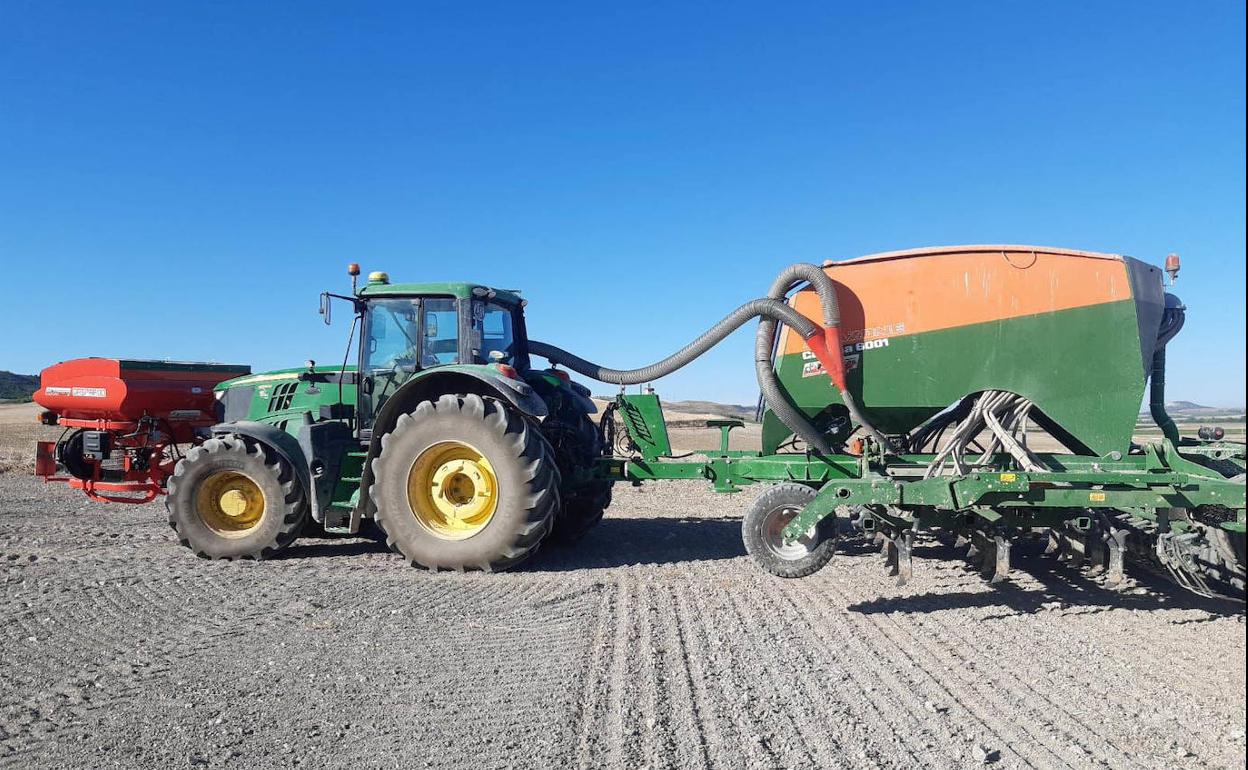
702, 343
772, 310
764, 365
765, 344
1172, 322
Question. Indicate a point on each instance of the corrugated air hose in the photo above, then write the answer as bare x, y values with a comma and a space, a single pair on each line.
772, 310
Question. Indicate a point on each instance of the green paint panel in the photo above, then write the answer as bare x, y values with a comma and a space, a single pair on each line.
281, 398
646, 426
1081, 367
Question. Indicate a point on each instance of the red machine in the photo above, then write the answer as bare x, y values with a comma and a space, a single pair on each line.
124, 421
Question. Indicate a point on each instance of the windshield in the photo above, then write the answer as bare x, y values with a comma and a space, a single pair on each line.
393, 334
403, 336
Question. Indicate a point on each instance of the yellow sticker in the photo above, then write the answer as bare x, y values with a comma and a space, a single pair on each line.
1096, 497
1009, 477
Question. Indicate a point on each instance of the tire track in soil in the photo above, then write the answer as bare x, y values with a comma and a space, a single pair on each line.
1027, 699
997, 733
746, 721
674, 733
874, 646
589, 712
656, 707
814, 747
1007, 737
698, 723
802, 634
812, 650
617, 682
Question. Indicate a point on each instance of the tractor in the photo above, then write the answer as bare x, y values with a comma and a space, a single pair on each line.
463, 454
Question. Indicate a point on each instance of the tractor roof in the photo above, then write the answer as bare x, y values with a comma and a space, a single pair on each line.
460, 289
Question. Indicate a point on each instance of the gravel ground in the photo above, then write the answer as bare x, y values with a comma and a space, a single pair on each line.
655, 643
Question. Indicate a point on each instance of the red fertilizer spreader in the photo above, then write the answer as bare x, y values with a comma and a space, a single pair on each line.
124, 422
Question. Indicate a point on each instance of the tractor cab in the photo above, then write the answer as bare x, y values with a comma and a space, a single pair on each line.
407, 329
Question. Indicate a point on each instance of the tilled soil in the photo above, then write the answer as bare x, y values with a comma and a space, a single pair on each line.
654, 643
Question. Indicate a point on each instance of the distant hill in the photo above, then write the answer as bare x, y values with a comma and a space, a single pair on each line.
1190, 410
731, 411
1180, 405
17, 387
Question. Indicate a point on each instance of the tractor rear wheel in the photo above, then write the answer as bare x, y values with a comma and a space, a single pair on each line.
231, 498
762, 528
577, 446
464, 483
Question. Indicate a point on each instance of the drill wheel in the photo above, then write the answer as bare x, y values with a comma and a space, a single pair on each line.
765, 521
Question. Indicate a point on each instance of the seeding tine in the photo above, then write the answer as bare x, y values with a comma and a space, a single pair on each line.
1096, 553
1054, 545
989, 563
1078, 550
892, 556
1117, 544
1001, 547
905, 566
961, 541
1065, 548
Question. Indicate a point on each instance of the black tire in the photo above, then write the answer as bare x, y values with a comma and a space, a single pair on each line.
283, 506
527, 486
767, 516
580, 514
577, 446
69, 453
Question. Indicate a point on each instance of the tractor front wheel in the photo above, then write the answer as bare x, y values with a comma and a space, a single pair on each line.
231, 498
464, 483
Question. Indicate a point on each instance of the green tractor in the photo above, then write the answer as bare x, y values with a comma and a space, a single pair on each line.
464, 455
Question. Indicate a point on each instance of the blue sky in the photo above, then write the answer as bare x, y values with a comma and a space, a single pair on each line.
180, 180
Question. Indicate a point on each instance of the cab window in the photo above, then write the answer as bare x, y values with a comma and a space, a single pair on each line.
403, 336
494, 324
393, 334
441, 333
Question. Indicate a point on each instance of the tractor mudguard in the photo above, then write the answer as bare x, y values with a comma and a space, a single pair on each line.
273, 438
580, 394
430, 384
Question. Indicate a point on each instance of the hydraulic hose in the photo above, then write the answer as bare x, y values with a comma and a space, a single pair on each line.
769, 308
1157, 398
765, 343
772, 310
1172, 322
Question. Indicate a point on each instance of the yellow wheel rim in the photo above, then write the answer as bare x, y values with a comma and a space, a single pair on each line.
230, 503
452, 490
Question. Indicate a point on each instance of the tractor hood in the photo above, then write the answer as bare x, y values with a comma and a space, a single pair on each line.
283, 395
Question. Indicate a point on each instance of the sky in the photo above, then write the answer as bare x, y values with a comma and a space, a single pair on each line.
181, 180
